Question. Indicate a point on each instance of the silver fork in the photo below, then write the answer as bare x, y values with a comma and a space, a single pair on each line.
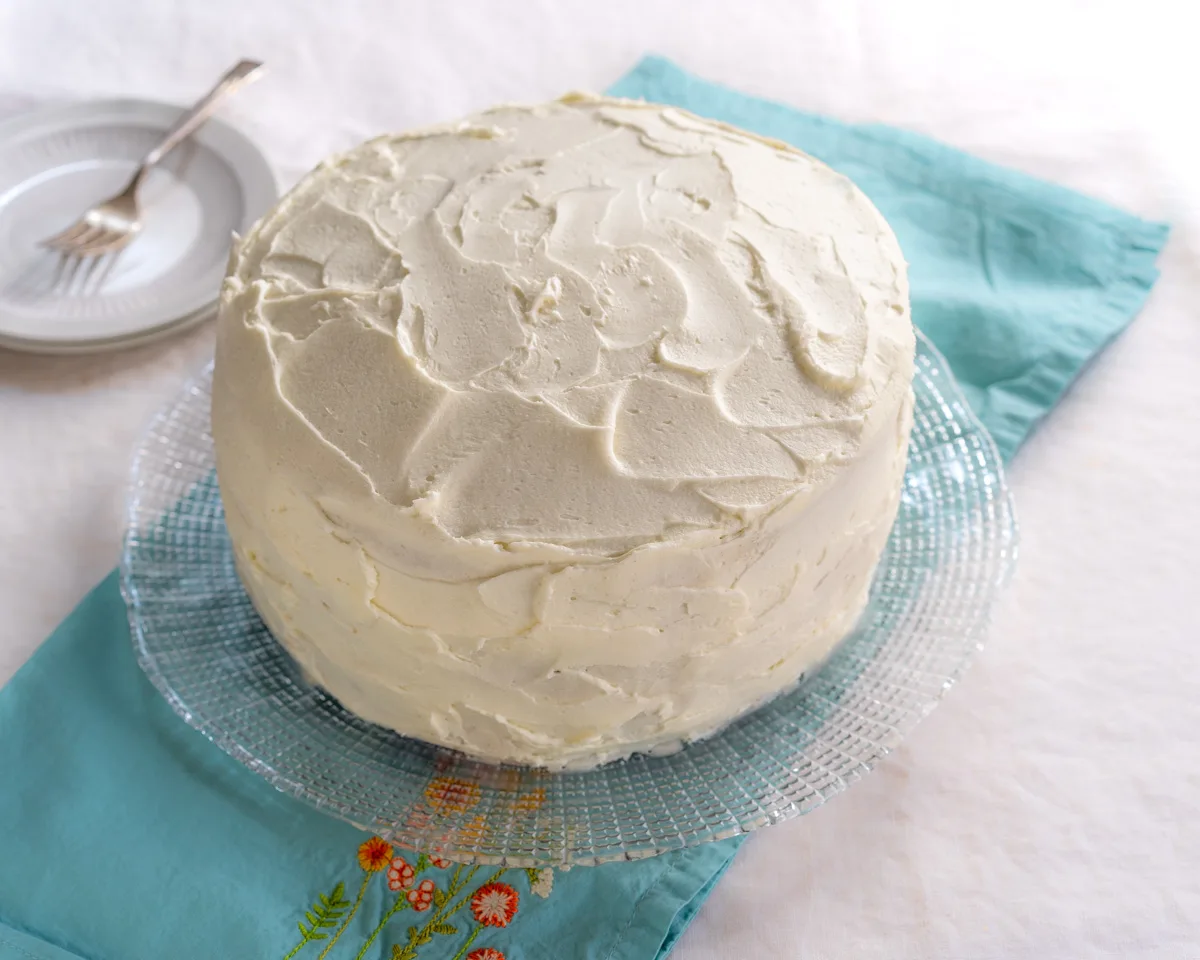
109, 226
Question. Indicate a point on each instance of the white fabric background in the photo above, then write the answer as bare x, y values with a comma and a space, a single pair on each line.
1050, 808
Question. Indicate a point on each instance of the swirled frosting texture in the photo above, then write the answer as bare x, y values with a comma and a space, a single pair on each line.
565, 431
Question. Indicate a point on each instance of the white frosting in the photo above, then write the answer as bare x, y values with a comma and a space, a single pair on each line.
564, 431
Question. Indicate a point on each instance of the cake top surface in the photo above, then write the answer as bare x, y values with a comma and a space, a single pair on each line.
593, 323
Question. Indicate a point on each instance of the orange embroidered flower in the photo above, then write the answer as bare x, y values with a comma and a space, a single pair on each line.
448, 795
422, 897
374, 854
400, 874
485, 953
438, 862
495, 904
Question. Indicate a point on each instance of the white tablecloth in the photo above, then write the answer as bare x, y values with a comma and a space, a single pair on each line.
1050, 808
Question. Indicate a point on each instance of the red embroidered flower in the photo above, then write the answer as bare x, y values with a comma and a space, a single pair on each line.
439, 862
374, 854
400, 874
494, 904
485, 953
422, 896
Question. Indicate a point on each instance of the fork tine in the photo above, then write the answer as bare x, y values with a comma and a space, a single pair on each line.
107, 241
67, 237
94, 240
100, 265
118, 245
59, 268
70, 271
89, 272
90, 236
110, 262
73, 240
79, 263
63, 235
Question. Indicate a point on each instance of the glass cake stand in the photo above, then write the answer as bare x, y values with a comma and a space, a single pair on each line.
200, 641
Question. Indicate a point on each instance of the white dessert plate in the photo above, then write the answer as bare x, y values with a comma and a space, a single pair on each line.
58, 161
202, 644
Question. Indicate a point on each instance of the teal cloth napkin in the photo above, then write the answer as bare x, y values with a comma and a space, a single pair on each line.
125, 835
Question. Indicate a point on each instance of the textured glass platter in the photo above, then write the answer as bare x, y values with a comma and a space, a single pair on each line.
201, 643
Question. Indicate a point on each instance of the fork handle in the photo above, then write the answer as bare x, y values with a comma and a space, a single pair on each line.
187, 124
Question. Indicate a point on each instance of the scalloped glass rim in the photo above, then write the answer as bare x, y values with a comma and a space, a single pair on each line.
200, 641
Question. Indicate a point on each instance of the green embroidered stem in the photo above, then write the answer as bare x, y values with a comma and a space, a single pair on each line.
462, 951
296, 949
400, 904
321, 915
346, 922
492, 879
453, 891
419, 937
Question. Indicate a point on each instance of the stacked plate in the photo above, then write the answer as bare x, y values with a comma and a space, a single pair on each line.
57, 162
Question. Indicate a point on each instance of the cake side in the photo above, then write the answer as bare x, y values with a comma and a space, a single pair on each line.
566, 431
